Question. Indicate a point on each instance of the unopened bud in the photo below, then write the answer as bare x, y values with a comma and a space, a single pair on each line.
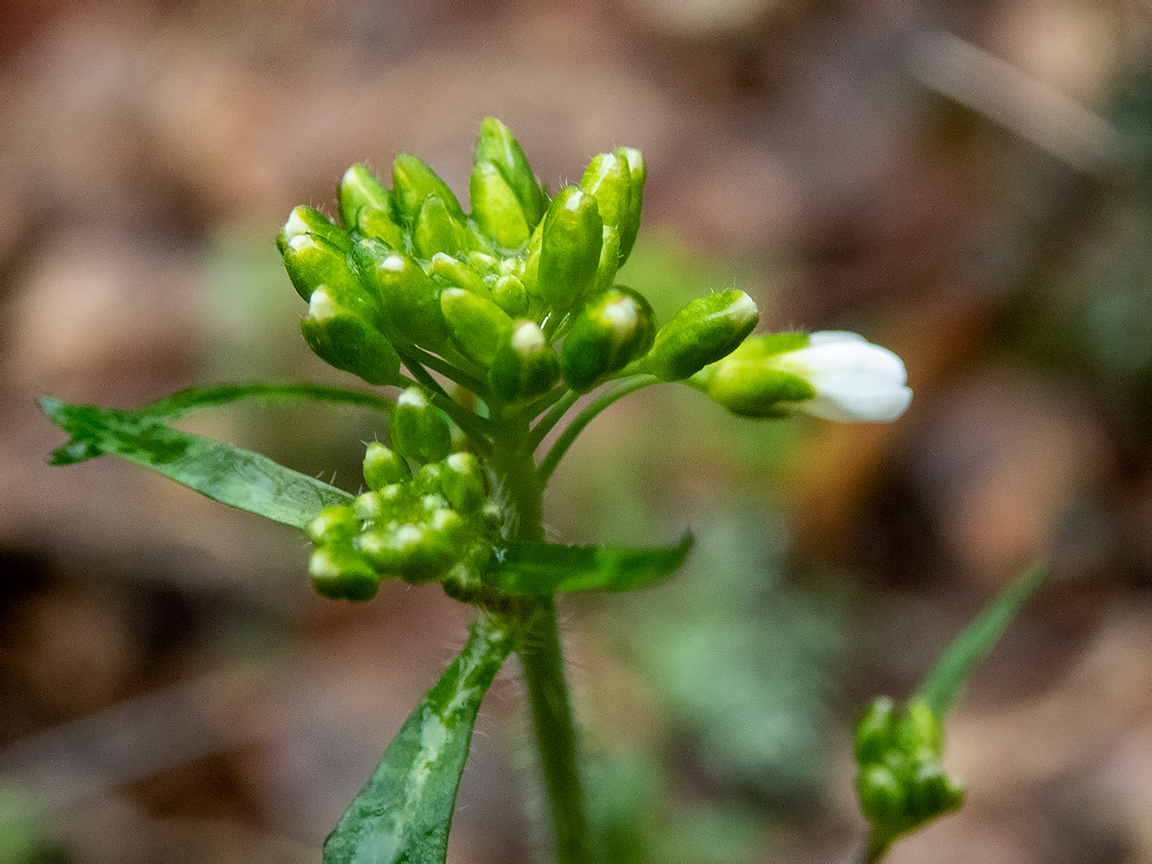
334, 523
702, 332
525, 366
630, 226
413, 181
570, 248
409, 297
339, 572
608, 179
462, 482
451, 272
349, 341
312, 261
359, 189
384, 466
478, 326
608, 334
496, 145
308, 220
509, 293
438, 230
419, 429
495, 206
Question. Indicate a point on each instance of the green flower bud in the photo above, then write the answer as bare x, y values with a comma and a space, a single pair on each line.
630, 226
438, 230
609, 262
413, 181
307, 220
411, 551
747, 383
525, 366
409, 297
608, 334
496, 145
339, 572
570, 248
462, 482
875, 732
702, 332
448, 525
419, 429
380, 505
931, 793
336, 523
478, 326
384, 467
348, 341
312, 261
608, 178
883, 799
509, 293
359, 189
495, 206
454, 273
918, 732
430, 479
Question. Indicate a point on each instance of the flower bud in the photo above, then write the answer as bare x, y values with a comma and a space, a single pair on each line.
874, 733
478, 326
629, 227
569, 248
312, 261
495, 206
702, 332
509, 293
384, 467
339, 572
380, 505
334, 524
608, 334
608, 179
609, 262
496, 145
931, 793
462, 482
411, 551
307, 220
429, 479
348, 341
359, 189
833, 375
918, 732
409, 297
419, 429
883, 798
437, 230
525, 366
454, 273
413, 181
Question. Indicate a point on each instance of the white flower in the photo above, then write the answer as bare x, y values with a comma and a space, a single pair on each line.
854, 379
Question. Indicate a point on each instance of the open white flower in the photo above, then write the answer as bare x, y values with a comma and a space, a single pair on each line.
834, 375
854, 379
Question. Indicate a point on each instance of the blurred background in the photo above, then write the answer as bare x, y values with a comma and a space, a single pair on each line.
967, 183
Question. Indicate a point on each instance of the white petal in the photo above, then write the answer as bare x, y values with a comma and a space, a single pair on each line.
854, 379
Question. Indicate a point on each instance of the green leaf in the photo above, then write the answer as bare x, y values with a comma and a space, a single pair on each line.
945, 682
222, 472
539, 569
404, 811
197, 398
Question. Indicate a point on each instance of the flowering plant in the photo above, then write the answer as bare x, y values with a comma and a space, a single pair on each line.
493, 325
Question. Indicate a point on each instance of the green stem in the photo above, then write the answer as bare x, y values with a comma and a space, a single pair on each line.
550, 419
543, 665
549, 463
541, 658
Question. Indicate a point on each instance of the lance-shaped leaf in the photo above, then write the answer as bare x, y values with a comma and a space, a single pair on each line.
228, 474
538, 569
945, 682
404, 811
198, 398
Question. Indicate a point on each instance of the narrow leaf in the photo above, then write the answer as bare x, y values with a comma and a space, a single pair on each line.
945, 682
222, 472
537, 569
195, 398
404, 812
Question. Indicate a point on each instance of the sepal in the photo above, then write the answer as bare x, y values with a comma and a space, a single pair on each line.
702, 332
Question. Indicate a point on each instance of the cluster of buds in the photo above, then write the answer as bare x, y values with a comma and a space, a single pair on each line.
416, 526
519, 294
901, 783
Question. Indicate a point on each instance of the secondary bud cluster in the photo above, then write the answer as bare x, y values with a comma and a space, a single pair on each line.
520, 292
416, 526
901, 782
